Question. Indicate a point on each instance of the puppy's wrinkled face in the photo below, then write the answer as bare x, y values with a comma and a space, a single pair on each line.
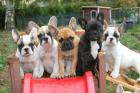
45, 37
25, 45
94, 30
66, 38
111, 36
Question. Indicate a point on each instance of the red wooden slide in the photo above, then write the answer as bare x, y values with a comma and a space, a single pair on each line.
83, 84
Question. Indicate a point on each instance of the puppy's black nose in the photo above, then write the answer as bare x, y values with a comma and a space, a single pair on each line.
111, 39
46, 39
26, 49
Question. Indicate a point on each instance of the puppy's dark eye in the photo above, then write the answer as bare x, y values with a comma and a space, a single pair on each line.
40, 35
61, 40
31, 44
116, 35
21, 45
71, 38
106, 35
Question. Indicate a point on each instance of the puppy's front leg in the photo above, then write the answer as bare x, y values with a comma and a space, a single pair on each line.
73, 68
38, 70
55, 66
61, 64
116, 69
61, 69
74, 64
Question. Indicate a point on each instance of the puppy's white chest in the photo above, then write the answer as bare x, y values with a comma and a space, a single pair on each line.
94, 48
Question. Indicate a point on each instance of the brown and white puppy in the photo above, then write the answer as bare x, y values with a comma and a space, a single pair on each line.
68, 51
120, 89
48, 49
27, 52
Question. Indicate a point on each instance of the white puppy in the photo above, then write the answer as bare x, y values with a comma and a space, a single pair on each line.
118, 56
48, 49
27, 53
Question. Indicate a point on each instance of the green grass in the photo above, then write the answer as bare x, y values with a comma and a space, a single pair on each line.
8, 47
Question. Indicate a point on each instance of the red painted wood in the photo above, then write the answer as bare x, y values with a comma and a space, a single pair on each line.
83, 84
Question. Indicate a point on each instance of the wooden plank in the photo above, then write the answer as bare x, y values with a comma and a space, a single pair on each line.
102, 73
124, 82
15, 79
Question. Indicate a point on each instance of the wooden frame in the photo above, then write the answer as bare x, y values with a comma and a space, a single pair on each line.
16, 81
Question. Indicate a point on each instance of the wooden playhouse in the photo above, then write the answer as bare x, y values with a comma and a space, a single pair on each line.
92, 11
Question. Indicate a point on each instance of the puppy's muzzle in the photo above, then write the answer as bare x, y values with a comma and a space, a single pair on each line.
67, 45
111, 39
26, 50
93, 36
45, 39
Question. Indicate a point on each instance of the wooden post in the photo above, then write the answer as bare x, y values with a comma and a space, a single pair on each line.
102, 73
14, 71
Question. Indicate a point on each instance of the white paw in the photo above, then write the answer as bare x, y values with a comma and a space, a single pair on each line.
114, 74
54, 75
36, 75
66, 74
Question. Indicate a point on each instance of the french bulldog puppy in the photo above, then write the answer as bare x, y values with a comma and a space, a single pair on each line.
27, 52
120, 89
68, 43
48, 49
89, 46
119, 57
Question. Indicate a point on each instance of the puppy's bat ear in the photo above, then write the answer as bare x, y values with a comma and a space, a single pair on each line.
33, 33
52, 26
119, 89
82, 22
31, 24
15, 35
100, 17
73, 24
105, 26
121, 28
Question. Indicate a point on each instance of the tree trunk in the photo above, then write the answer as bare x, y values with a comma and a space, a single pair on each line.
9, 16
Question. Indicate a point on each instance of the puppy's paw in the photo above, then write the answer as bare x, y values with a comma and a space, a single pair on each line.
36, 75
114, 74
72, 73
60, 75
54, 75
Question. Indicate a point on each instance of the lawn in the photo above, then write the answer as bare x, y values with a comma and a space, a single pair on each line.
7, 47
